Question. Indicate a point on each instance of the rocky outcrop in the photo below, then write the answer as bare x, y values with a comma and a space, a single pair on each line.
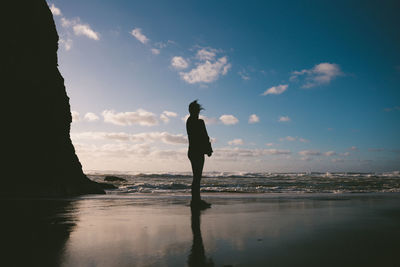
112, 178
39, 158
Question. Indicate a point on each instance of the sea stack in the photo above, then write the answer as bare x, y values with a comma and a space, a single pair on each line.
38, 156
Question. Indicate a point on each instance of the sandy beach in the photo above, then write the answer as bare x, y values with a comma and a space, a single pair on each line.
239, 230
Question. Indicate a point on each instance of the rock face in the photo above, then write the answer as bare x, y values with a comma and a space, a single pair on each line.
39, 158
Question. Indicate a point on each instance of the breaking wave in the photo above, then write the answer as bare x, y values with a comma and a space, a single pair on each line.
257, 182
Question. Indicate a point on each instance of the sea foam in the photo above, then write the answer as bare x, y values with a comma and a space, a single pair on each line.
257, 182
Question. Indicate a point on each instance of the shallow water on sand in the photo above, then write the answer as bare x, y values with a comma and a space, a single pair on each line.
239, 230
320, 230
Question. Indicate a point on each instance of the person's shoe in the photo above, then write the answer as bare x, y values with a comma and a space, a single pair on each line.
206, 204
202, 205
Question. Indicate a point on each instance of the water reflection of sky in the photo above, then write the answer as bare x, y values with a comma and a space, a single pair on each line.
162, 231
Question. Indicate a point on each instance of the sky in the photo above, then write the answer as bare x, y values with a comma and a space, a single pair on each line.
287, 86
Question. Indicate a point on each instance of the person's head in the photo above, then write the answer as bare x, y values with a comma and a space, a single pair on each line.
194, 108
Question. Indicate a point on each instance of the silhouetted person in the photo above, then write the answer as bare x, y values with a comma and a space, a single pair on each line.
197, 255
199, 144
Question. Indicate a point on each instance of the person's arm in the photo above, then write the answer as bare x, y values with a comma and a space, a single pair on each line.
207, 142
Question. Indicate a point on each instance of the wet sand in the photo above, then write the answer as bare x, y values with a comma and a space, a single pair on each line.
239, 230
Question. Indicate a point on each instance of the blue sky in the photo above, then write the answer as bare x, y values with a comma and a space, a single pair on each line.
286, 86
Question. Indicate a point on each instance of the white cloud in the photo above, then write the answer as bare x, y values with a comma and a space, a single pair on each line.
66, 43
155, 51
55, 10
107, 151
165, 116
120, 136
165, 137
353, 148
90, 116
320, 74
284, 119
86, 30
309, 153
276, 90
161, 45
169, 154
121, 155
330, 153
269, 144
244, 75
288, 138
205, 54
80, 28
254, 118
228, 119
206, 120
239, 153
273, 151
208, 68
124, 156
67, 22
75, 116
173, 139
141, 117
291, 139
137, 33
147, 137
207, 72
179, 63
236, 142
170, 113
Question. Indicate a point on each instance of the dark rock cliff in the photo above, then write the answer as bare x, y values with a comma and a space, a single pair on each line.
38, 156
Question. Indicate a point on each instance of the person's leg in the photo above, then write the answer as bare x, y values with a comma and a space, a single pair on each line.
197, 168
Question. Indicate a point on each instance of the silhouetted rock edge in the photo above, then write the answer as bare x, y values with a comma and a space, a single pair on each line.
38, 156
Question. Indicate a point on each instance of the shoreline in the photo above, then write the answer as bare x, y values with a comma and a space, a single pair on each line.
238, 230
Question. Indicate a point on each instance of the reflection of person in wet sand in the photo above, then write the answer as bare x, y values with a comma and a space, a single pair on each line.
199, 144
197, 255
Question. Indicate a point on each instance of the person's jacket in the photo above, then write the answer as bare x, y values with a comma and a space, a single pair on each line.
199, 142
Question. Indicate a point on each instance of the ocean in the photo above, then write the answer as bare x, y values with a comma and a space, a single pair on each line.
253, 183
